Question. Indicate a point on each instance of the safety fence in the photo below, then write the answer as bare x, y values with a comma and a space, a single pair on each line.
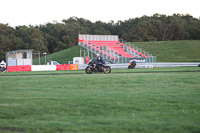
83, 66
42, 67
149, 65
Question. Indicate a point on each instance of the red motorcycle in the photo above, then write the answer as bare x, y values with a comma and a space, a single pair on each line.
132, 65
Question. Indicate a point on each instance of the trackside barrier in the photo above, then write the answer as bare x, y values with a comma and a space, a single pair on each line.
83, 66
144, 66
63, 67
19, 68
42, 67
149, 65
73, 66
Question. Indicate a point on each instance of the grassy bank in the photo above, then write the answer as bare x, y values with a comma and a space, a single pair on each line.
63, 56
173, 51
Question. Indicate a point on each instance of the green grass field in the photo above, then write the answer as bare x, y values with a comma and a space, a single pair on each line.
139, 100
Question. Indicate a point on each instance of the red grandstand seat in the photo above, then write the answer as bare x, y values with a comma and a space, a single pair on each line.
89, 45
97, 49
93, 47
140, 53
116, 51
143, 55
108, 49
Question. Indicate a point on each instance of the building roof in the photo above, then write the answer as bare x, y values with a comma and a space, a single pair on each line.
21, 50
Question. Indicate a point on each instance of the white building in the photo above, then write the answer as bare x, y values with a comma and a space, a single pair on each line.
19, 57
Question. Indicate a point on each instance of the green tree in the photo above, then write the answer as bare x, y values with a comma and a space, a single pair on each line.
32, 38
8, 40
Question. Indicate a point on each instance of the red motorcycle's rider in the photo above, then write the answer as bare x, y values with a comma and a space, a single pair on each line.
133, 63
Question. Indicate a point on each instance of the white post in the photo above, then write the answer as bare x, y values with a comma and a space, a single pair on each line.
39, 57
45, 58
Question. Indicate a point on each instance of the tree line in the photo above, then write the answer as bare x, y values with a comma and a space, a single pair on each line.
53, 37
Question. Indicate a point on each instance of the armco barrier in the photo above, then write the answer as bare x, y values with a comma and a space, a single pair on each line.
148, 65
175, 64
19, 68
63, 67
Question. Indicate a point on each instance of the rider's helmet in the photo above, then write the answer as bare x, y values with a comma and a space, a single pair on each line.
97, 55
2, 64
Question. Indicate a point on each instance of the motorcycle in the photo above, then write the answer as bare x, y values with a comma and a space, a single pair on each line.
132, 65
92, 68
2, 69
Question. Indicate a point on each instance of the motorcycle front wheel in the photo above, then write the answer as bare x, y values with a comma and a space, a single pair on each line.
88, 70
107, 69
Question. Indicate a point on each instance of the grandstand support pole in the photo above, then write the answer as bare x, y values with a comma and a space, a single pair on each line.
80, 51
84, 55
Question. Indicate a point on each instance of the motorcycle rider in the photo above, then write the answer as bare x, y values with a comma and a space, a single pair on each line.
3, 66
133, 63
99, 62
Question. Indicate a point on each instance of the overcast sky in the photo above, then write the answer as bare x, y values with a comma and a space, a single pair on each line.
35, 12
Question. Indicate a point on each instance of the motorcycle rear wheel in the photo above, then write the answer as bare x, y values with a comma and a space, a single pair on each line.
2, 69
131, 67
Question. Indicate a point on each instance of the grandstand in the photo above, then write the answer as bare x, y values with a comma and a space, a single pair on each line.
111, 49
